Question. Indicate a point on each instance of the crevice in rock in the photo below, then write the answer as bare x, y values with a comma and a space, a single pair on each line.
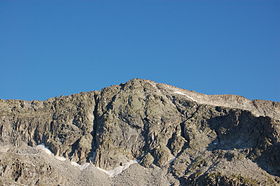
145, 134
94, 144
74, 147
170, 141
195, 112
183, 128
109, 106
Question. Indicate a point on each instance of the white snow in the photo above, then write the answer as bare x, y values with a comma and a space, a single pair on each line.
84, 166
178, 92
60, 158
75, 164
119, 169
45, 149
81, 167
172, 159
181, 93
111, 173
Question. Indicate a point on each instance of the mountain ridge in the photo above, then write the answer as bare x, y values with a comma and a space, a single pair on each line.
184, 136
235, 101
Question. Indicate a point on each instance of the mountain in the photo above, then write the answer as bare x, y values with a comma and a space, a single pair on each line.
140, 133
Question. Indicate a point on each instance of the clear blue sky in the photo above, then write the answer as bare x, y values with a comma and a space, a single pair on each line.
58, 47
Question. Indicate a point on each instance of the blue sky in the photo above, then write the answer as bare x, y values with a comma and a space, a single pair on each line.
59, 47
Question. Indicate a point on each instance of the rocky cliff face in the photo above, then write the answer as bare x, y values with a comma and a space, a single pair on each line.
178, 137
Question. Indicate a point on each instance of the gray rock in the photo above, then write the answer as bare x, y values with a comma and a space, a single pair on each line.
187, 137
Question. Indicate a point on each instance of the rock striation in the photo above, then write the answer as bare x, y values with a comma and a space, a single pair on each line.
178, 137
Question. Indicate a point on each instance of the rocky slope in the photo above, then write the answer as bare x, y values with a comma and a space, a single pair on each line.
178, 137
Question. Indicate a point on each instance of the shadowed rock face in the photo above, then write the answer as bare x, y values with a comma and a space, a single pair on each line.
191, 138
63, 124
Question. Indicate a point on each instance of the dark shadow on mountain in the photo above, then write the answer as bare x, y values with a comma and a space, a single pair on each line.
236, 130
270, 159
242, 131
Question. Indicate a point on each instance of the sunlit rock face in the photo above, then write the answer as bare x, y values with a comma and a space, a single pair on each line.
140, 133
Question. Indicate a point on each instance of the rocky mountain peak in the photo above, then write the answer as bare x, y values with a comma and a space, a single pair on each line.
177, 136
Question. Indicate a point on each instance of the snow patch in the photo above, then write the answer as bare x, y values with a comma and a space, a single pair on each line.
60, 158
84, 166
81, 167
119, 169
181, 93
45, 149
75, 164
172, 159
111, 173
178, 92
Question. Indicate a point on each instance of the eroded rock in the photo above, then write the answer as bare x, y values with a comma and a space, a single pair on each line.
187, 135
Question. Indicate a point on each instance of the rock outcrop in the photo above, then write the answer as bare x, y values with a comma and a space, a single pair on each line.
180, 136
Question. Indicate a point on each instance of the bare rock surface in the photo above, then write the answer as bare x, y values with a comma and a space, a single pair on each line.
178, 137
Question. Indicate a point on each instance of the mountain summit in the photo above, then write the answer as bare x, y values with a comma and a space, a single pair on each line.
140, 133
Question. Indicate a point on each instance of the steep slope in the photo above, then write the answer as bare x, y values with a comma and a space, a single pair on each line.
177, 136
